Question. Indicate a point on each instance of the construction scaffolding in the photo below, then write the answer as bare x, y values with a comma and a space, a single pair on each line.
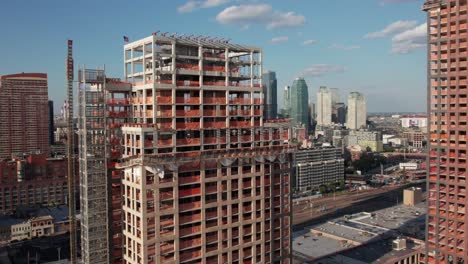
93, 167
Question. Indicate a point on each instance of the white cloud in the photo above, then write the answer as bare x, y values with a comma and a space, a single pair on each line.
344, 47
394, 28
279, 39
259, 14
214, 3
290, 19
318, 70
193, 5
245, 14
309, 42
187, 7
410, 40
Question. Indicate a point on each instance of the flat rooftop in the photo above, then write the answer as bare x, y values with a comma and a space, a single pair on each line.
361, 229
376, 252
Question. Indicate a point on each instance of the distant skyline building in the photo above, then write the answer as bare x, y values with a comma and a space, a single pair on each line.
324, 106
335, 95
270, 91
339, 113
286, 110
24, 114
300, 102
51, 123
357, 111
312, 114
447, 221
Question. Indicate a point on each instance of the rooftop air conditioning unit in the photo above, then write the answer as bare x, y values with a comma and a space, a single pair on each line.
399, 244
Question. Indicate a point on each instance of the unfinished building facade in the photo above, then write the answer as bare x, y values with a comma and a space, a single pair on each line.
104, 106
205, 181
447, 222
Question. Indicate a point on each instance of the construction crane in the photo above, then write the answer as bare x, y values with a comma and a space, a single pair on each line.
71, 156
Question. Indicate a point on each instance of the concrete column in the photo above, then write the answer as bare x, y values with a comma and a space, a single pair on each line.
174, 66
251, 68
227, 69
200, 67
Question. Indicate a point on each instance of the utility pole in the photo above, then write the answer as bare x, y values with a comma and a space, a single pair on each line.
71, 155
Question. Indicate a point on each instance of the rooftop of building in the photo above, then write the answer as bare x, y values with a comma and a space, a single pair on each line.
358, 229
380, 251
58, 213
204, 41
24, 75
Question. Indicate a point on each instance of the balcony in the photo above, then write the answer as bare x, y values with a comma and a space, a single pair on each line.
214, 100
118, 101
239, 124
211, 189
164, 126
164, 100
164, 196
214, 68
189, 231
164, 142
209, 140
118, 114
189, 219
189, 180
188, 83
189, 192
187, 125
189, 206
188, 113
188, 141
240, 101
214, 83
187, 256
190, 67
188, 100
218, 124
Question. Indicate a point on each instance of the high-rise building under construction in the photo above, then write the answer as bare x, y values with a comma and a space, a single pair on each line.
206, 180
447, 222
104, 105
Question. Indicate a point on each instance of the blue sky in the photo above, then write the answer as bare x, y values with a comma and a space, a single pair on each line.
372, 46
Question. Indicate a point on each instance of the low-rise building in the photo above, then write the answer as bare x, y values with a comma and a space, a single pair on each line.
34, 223
412, 196
413, 121
32, 179
317, 166
415, 138
365, 139
408, 165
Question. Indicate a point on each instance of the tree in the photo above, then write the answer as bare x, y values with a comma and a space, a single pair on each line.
323, 188
342, 184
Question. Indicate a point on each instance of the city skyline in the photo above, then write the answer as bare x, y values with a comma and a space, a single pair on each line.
345, 59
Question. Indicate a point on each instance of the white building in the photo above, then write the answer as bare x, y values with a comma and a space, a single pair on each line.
408, 166
357, 111
324, 106
413, 121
